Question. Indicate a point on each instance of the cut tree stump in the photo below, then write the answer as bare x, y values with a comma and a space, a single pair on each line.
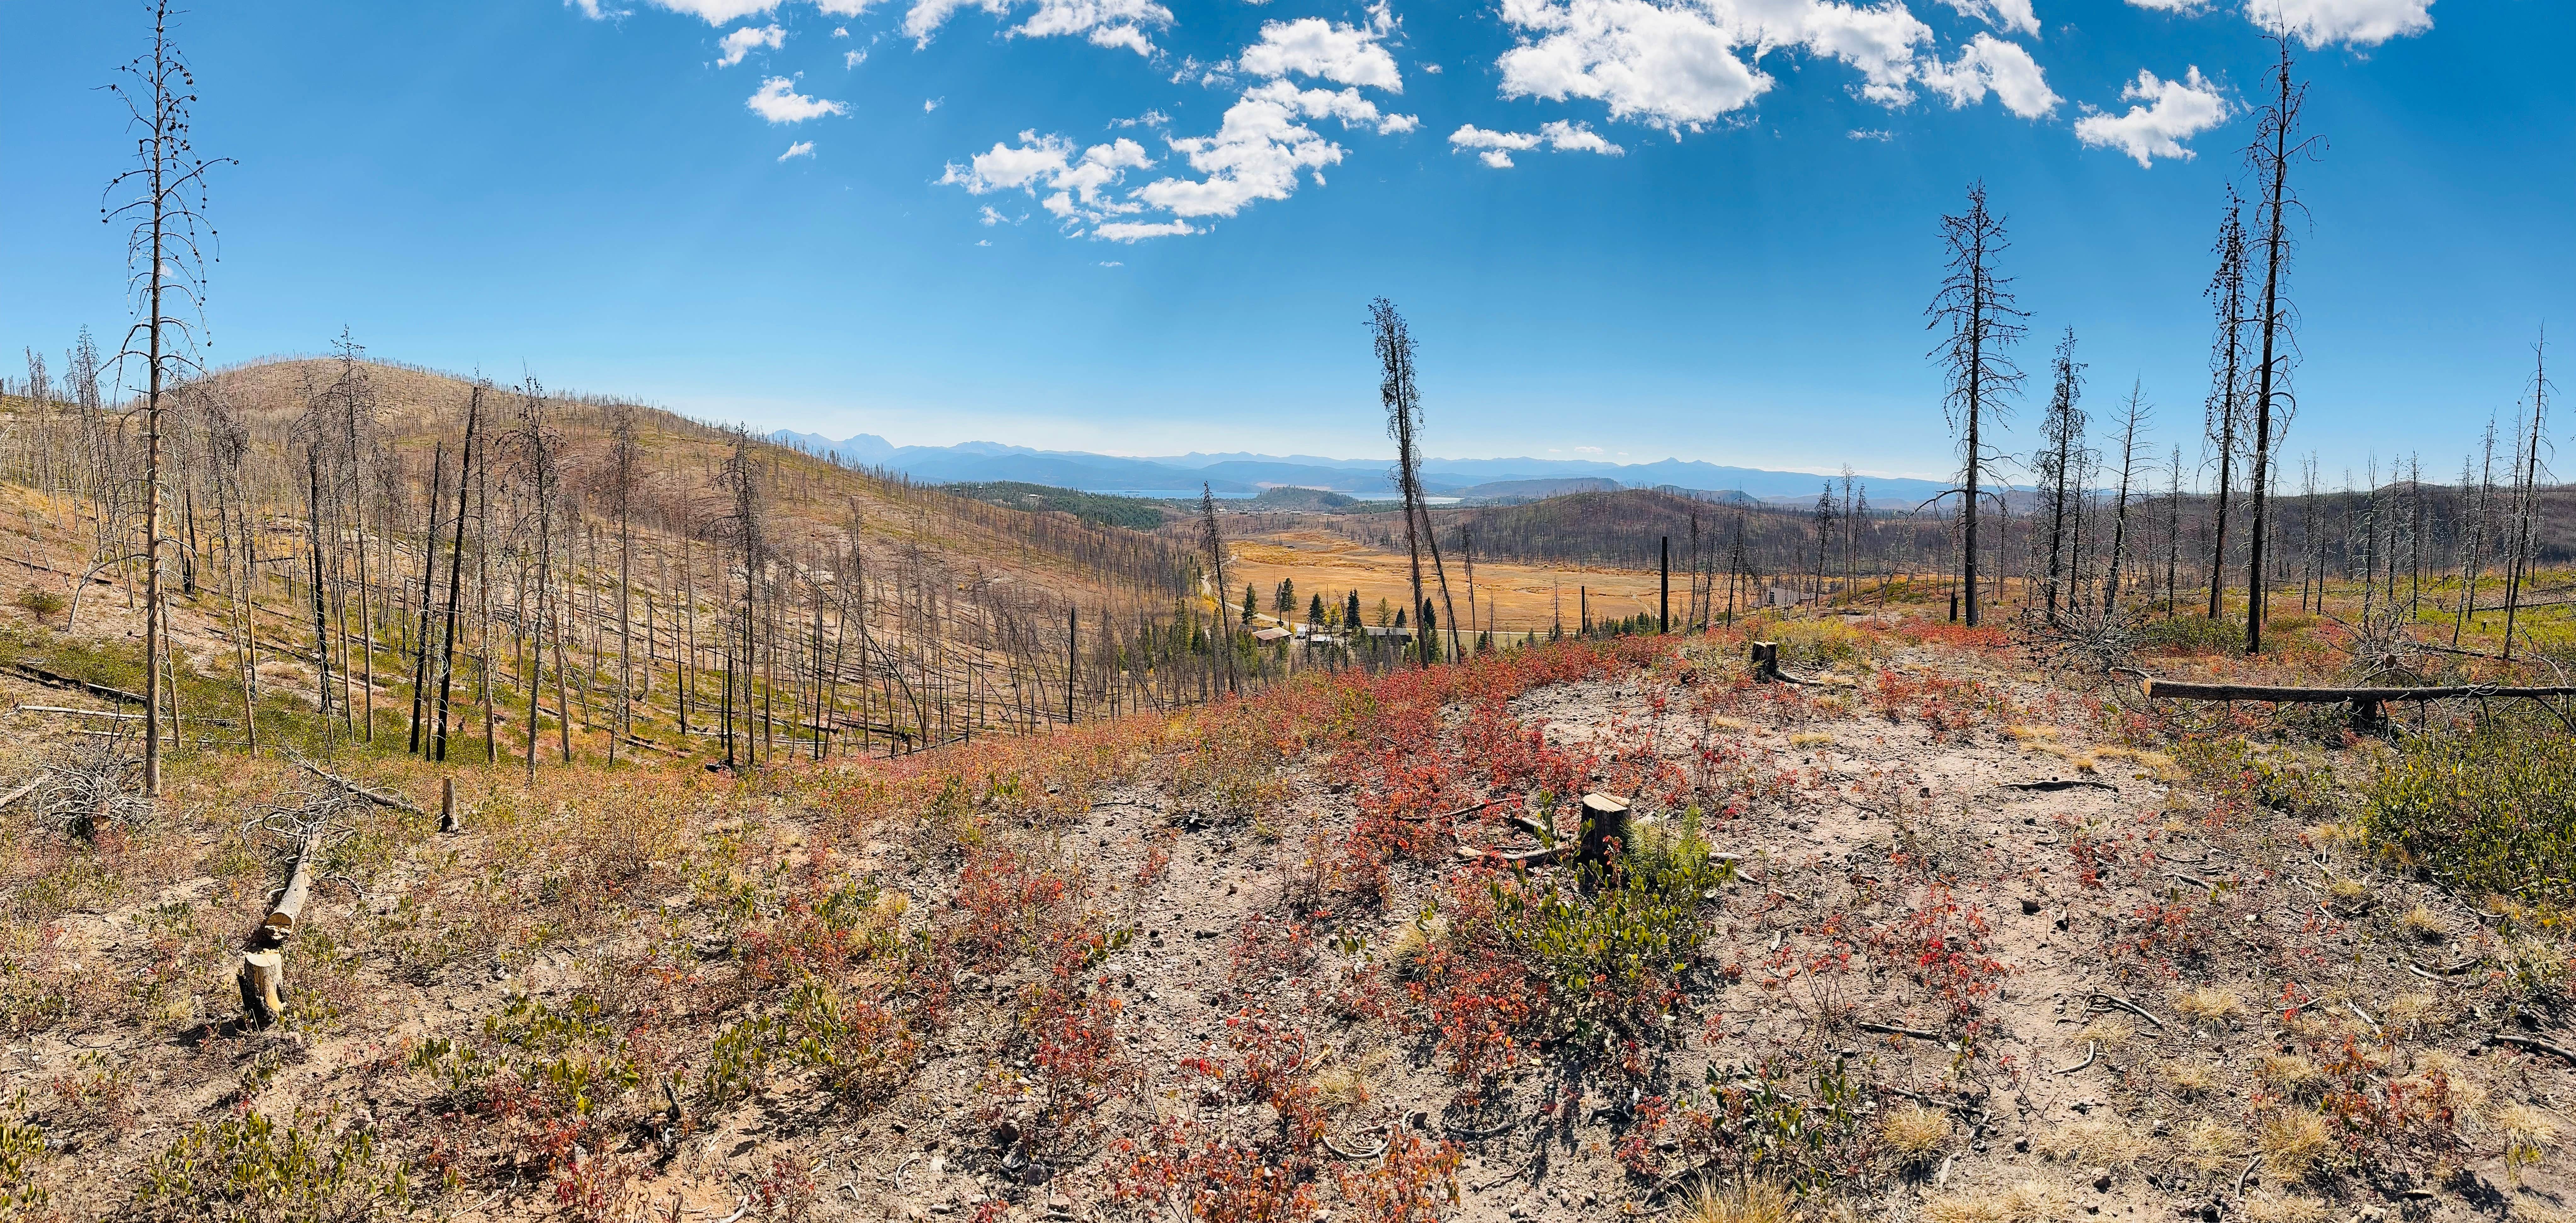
263, 968
447, 821
1605, 818
1766, 662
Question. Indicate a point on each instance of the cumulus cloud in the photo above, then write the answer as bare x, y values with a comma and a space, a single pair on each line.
2318, 23
1107, 23
1133, 231
1677, 64
743, 41
1312, 46
1496, 148
1075, 183
1263, 148
716, 12
778, 102
2360, 23
802, 148
2013, 15
2167, 113
1989, 64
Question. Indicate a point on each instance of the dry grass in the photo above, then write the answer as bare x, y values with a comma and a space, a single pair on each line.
2209, 1004
2112, 1030
2349, 893
2107, 1141
2425, 924
2294, 1144
2290, 1072
2021, 1202
2528, 1133
1914, 1132
1752, 1202
2211, 1146
1807, 739
2191, 1076
2332, 836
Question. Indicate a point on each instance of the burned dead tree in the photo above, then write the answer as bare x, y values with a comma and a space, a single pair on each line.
1976, 306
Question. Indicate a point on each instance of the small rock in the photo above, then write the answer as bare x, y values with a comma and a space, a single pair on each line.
2029, 906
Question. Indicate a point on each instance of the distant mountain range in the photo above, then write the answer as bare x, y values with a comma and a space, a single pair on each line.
1244, 475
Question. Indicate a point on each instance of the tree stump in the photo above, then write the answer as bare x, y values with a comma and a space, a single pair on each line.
1766, 661
1605, 818
263, 966
447, 821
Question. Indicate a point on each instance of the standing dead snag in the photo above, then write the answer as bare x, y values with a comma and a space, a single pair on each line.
158, 98
2227, 391
2270, 156
1978, 308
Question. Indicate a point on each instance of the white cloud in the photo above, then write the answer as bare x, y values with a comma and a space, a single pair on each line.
844, 8
1881, 135
852, 59
779, 102
741, 43
1113, 263
2012, 15
1346, 55
1135, 231
2360, 23
716, 12
1496, 148
2168, 113
802, 148
1677, 64
930, 104
1433, 69
1259, 151
1107, 23
1986, 64
1075, 183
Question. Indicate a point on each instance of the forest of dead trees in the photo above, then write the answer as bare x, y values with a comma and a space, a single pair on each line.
458, 565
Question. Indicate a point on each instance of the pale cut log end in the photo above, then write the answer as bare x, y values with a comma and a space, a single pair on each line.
263, 985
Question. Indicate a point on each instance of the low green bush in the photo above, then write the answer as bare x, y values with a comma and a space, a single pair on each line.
2489, 810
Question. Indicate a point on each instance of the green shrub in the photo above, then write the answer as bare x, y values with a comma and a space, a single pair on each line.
2192, 635
22, 1152
250, 1169
1611, 942
2491, 810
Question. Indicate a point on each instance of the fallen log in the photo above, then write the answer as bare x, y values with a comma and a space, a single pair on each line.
263, 966
58, 680
2168, 689
378, 797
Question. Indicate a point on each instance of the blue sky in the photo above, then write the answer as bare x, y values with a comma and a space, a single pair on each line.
1713, 239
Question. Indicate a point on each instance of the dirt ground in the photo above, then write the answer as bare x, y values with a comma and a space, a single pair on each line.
2041, 976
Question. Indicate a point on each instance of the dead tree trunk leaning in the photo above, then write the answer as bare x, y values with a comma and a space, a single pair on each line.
263, 966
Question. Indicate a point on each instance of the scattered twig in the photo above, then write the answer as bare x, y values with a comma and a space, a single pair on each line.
20, 792
1336, 1149
2092, 1049
2126, 1005
2193, 880
1891, 1030
2054, 784
2536, 1046
2355, 1008
2249, 1171
378, 797
2444, 969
